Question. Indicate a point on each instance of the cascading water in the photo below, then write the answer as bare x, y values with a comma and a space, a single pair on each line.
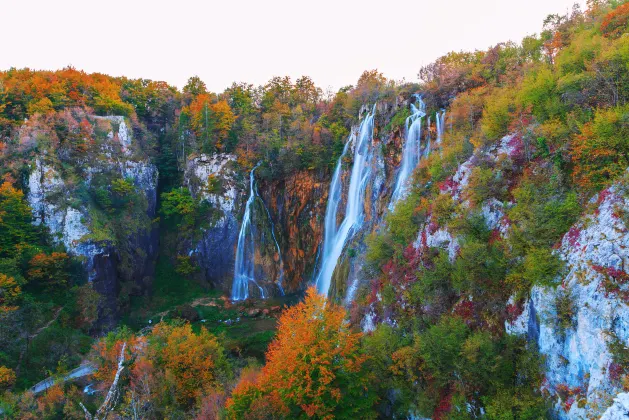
244, 268
412, 151
280, 279
426, 151
441, 126
335, 238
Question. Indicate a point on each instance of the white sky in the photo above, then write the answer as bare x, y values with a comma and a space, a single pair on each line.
332, 41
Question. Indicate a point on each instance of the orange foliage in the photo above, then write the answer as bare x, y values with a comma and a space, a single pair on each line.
49, 269
50, 400
313, 366
211, 121
615, 23
600, 153
29, 92
107, 353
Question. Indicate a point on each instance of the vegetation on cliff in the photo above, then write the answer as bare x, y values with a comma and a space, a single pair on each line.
534, 131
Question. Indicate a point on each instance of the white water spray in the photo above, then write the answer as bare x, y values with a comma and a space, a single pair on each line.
335, 238
244, 268
412, 153
441, 125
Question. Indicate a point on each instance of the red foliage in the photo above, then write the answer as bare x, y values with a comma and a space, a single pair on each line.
615, 371
514, 310
432, 227
516, 146
573, 236
448, 185
444, 406
465, 310
613, 282
495, 236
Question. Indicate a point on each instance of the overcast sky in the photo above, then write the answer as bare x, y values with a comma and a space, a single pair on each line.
332, 41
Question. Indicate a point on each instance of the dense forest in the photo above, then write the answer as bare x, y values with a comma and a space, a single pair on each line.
497, 287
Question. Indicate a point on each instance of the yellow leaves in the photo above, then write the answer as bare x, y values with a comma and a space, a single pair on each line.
10, 293
210, 121
7, 377
190, 361
41, 106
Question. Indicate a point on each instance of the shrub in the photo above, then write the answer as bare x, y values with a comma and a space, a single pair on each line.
566, 309
440, 347
601, 151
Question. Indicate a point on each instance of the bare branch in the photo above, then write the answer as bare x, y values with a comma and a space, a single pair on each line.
88, 416
112, 396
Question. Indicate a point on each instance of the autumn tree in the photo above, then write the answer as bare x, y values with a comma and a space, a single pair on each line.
7, 377
192, 364
601, 151
10, 293
49, 270
15, 220
210, 121
615, 22
314, 369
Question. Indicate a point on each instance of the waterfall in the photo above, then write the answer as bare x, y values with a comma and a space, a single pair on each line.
244, 268
428, 138
335, 238
411, 154
277, 245
441, 125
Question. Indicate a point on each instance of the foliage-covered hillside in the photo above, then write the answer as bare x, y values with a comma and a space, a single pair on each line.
121, 199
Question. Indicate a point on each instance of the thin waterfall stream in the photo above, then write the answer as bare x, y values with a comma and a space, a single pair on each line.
244, 269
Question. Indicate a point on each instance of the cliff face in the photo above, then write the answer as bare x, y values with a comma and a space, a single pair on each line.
288, 210
71, 197
297, 208
215, 251
577, 324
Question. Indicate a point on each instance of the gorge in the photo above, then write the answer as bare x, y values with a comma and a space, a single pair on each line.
451, 248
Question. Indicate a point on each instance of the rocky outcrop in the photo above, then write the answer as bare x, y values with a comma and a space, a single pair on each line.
297, 207
574, 324
215, 251
60, 199
289, 210
619, 409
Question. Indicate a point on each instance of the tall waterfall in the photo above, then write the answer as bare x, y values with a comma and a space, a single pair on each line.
334, 238
441, 125
412, 149
244, 268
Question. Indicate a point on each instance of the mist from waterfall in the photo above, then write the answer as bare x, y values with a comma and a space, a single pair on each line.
335, 237
245, 252
411, 154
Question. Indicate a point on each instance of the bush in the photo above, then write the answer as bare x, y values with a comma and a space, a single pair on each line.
485, 183
440, 347
601, 151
